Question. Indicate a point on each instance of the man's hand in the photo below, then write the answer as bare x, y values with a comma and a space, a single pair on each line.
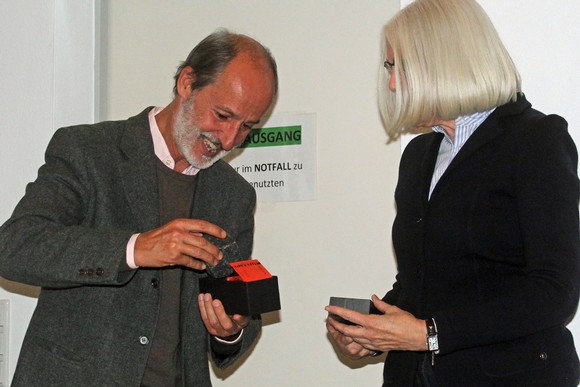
179, 242
217, 322
395, 329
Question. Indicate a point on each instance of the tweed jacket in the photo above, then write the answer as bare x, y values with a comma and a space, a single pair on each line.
493, 255
95, 316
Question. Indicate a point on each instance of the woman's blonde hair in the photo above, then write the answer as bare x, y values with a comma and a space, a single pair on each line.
449, 62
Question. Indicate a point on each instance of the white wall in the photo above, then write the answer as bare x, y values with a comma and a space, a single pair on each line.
328, 53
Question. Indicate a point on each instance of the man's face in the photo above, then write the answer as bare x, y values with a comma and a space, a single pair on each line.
217, 118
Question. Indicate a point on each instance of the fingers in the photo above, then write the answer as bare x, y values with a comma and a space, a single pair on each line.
346, 344
217, 322
179, 242
361, 339
195, 251
201, 226
380, 304
347, 314
336, 334
344, 334
242, 321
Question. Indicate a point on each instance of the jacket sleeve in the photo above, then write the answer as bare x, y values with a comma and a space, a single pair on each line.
49, 240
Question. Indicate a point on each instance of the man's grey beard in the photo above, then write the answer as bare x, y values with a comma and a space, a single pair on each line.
186, 133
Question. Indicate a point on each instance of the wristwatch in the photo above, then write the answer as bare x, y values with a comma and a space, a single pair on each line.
432, 341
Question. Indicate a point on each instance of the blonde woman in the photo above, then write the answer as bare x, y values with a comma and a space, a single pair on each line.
486, 235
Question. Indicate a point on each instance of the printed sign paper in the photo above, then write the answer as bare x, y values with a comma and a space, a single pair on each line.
279, 159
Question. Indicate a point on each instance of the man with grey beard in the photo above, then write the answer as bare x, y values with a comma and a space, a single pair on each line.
116, 228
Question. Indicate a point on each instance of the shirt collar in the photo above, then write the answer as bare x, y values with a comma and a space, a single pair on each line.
160, 147
465, 125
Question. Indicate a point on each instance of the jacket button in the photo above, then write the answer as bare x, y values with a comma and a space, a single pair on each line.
82, 272
143, 340
543, 356
155, 283
99, 271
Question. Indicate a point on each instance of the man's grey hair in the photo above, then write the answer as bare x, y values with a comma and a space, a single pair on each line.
210, 57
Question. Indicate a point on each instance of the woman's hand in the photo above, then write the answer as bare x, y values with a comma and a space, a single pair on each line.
346, 344
394, 329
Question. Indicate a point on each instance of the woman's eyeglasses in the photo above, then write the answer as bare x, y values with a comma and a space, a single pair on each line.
389, 65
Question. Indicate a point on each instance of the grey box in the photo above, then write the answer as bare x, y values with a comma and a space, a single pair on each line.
357, 304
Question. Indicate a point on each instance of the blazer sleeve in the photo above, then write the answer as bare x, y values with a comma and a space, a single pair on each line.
48, 241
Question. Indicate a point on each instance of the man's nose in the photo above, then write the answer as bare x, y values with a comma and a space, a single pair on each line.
231, 136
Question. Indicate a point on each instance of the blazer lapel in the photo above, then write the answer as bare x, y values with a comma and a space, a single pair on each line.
429, 161
486, 132
210, 188
138, 171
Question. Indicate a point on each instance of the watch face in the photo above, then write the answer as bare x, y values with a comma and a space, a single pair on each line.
433, 343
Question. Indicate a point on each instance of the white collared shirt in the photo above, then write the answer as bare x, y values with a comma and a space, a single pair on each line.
464, 128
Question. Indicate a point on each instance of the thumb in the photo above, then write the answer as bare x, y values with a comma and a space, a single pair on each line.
382, 306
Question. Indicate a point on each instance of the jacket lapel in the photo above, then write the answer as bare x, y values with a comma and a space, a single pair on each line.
207, 190
429, 161
486, 132
138, 171
211, 187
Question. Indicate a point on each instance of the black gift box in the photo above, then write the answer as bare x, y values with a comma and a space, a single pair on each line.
245, 298
357, 304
